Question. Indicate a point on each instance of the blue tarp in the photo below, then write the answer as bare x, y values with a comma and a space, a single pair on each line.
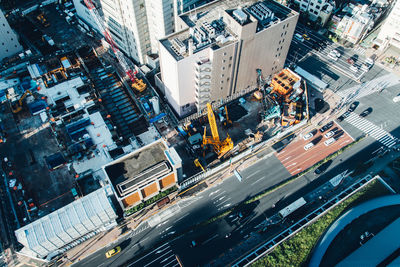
37, 106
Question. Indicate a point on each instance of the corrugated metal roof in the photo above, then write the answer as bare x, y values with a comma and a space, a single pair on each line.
56, 230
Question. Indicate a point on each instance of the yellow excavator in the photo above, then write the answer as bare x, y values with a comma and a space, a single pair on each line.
17, 105
220, 147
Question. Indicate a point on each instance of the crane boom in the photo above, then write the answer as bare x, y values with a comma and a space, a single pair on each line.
100, 23
213, 124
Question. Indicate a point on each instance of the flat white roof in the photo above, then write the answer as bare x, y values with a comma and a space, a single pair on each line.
54, 231
66, 88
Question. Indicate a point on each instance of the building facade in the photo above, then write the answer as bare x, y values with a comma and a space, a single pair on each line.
143, 173
69, 226
316, 9
390, 31
9, 44
215, 55
85, 16
136, 25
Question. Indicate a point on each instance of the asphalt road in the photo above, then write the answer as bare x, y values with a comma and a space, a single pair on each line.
210, 240
212, 244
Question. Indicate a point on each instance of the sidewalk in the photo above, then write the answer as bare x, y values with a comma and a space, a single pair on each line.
112, 236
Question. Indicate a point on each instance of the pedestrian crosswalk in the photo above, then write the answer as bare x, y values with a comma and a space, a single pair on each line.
373, 86
360, 50
372, 130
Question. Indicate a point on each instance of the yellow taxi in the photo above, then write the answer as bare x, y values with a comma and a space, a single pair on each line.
113, 252
305, 36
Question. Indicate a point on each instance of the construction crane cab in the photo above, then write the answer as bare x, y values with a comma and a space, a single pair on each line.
139, 85
220, 147
16, 106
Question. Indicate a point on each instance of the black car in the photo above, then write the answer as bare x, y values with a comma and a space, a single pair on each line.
343, 116
323, 167
366, 112
326, 126
353, 106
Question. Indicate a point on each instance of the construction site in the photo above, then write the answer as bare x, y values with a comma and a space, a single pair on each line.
226, 130
68, 113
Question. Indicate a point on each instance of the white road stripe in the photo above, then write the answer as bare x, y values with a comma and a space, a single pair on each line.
373, 130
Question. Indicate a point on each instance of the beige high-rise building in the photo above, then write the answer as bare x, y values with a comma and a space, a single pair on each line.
218, 47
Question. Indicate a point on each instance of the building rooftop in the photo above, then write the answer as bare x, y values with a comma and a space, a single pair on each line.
138, 167
55, 231
207, 27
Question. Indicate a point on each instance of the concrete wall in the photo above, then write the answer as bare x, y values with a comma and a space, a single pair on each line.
9, 44
266, 50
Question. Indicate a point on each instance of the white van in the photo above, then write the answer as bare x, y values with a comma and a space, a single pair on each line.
298, 37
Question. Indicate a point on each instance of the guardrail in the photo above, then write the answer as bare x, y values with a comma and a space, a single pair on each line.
271, 244
199, 177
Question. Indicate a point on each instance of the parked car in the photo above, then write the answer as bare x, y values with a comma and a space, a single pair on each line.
366, 112
330, 141
326, 126
308, 146
309, 135
113, 252
329, 134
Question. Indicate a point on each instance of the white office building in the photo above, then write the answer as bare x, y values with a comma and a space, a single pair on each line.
217, 48
317, 9
390, 31
136, 25
85, 16
9, 44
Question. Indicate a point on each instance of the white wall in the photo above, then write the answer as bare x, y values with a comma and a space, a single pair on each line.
391, 27
85, 15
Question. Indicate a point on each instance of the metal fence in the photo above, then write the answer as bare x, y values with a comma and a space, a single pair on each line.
271, 244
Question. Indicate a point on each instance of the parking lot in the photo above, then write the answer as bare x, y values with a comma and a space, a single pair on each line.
301, 154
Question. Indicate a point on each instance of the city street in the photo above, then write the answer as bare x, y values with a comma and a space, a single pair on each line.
159, 240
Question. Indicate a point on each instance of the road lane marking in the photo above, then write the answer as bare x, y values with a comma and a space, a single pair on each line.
132, 264
254, 173
219, 194
211, 238
167, 259
212, 193
257, 181
156, 259
182, 217
219, 204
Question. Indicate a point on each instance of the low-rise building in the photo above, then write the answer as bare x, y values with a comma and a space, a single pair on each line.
144, 173
318, 10
68, 226
354, 22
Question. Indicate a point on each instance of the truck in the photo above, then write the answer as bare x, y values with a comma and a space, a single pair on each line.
283, 213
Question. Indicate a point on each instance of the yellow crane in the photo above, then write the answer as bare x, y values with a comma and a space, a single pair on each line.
17, 107
220, 147
227, 122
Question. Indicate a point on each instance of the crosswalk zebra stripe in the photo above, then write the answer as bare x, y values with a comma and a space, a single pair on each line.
372, 130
